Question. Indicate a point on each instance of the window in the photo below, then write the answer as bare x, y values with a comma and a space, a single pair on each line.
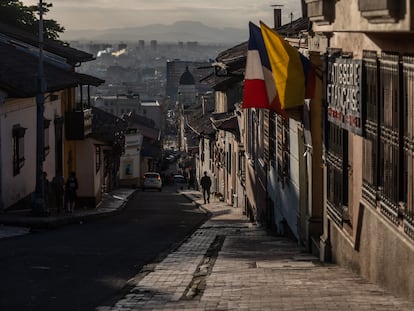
261, 135
46, 147
18, 148
371, 147
229, 159
107, 163
98, 158
242, 166
272, 138
337, 172
408, 69
251, 132
391, 184
282, 151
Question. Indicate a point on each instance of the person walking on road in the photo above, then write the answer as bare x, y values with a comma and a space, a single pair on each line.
205, 183
70, 192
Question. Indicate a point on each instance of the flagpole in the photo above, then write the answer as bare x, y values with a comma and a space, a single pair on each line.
39, 208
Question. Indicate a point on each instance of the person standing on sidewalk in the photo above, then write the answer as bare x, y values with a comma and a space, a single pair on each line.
205, 183
70, 192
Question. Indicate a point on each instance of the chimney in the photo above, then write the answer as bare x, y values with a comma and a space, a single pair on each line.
277, 15
304, 9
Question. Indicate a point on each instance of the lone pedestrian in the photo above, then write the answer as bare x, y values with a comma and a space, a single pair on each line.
70, 192
205, 183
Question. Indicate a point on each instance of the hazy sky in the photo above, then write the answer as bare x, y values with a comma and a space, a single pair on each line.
101, 14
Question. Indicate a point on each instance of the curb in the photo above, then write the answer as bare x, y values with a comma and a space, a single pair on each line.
201, 207
52, 222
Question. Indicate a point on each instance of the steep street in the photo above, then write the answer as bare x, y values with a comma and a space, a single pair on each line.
81, 266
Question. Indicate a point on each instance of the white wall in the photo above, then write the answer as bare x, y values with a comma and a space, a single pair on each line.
23, 112
90, 181
286, 199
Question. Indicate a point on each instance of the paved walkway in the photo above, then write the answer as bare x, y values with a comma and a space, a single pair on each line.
230, 264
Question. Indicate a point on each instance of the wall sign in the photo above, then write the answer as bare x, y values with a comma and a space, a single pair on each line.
344, 95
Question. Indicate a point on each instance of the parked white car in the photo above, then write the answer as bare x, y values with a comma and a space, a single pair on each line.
152, 180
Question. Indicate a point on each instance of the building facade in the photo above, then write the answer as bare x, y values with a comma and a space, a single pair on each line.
368, 137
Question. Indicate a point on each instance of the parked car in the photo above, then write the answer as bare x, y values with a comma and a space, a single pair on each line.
179, 180
152, 180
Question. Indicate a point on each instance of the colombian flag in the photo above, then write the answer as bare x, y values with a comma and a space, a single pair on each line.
287, 77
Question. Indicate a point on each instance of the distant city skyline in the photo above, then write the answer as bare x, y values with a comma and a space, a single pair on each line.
105, 14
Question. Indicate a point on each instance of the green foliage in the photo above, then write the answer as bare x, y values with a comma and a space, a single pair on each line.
15, 13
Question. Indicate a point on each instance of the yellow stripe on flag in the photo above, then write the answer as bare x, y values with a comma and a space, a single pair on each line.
287, 69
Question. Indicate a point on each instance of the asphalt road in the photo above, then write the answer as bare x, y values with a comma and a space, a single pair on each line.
80, 267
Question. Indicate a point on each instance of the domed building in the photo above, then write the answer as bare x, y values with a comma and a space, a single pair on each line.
187, 93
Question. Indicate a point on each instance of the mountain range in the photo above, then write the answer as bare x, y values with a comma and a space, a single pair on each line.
179, 31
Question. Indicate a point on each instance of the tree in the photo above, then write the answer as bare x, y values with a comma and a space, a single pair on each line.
15, 13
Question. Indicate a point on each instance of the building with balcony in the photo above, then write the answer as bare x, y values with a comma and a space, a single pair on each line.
18, 123
366, 47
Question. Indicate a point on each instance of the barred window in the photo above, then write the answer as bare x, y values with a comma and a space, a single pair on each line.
46, 146
390, 148
18, 148
261, 136
251, 133
98, 161
242, 166
107, 163
408, 74
371, 151
266, 136
337, 172
272, 138
282, 151
229, 159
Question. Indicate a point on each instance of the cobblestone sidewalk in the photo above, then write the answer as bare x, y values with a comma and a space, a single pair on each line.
229, 264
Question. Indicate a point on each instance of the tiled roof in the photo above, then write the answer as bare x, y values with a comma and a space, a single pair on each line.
144, 125
107, 127
200, 123
294, 28
230, 124
234, 58
18, 72
221, 116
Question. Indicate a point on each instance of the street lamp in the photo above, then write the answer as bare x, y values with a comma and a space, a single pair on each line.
38, 206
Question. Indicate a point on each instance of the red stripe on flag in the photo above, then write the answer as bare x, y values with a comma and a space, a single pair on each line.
255, 94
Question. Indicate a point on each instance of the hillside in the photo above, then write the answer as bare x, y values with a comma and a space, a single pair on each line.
179, 31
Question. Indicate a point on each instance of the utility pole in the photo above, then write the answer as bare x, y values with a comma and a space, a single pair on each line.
39, 207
